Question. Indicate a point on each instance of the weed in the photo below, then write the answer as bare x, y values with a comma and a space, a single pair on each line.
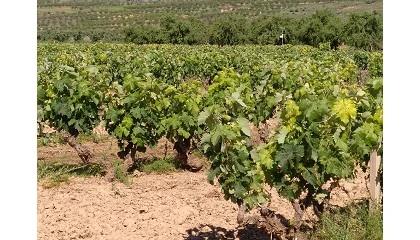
160, 165
54, 174
49, 139
354, 222
82, 138
119, 174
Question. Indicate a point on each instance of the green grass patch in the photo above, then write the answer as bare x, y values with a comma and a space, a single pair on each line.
52, 139
53, 174
49, 139
354, 222
119, 173
160, 165
82, 138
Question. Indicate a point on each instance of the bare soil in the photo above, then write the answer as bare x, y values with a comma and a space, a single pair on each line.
180, 205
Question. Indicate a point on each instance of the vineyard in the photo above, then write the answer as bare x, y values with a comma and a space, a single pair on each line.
289, 117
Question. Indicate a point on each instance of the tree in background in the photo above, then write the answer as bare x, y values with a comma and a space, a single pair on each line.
60, 36
97, 35
361, 30
364, 31
267, 30
199, 32
143, 34
228, 30
321, 27
77, 36
174, 30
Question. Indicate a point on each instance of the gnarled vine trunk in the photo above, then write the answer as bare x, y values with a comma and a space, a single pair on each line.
298, 214
128, 156
241, 211
184, 155
83, 153
263, 132
300, 206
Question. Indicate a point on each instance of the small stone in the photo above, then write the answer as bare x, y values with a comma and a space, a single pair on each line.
206, 229
129, 222
143, 209
137, 173
220, 234
49, 206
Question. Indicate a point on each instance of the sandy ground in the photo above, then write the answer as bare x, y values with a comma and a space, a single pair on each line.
174, 206
181, 205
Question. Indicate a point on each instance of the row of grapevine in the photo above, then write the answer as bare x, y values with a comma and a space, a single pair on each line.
329, 120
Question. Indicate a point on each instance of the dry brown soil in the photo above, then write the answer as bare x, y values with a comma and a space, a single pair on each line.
180, 205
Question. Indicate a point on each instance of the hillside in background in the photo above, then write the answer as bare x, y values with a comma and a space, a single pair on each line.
114, 14
199, 21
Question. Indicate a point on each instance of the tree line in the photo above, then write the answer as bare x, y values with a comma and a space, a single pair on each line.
361, 30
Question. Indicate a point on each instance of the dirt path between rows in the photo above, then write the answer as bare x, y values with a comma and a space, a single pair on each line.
174, 206
181, 205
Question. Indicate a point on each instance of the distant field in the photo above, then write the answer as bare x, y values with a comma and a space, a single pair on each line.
113, 15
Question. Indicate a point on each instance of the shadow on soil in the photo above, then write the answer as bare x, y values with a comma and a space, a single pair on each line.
216, 233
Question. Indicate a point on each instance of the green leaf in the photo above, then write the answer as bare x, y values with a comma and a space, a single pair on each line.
78, 127
341, 145
333, 166
236, 96
95, 100
118, 132
309, 177
265, 159
360, 93
127, 122
254, 154
314, 155
136, 112
206, 138
62, 109
314, 109
243, 123
261, 199
93, 69
212, 174
72, 121
183, 133
365, 102
202, 117
281, 136
286, 192
205, 147
345, 109
239, 167
126, 132
137, 130
239, 189
282, 160
377, 83
215, 137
